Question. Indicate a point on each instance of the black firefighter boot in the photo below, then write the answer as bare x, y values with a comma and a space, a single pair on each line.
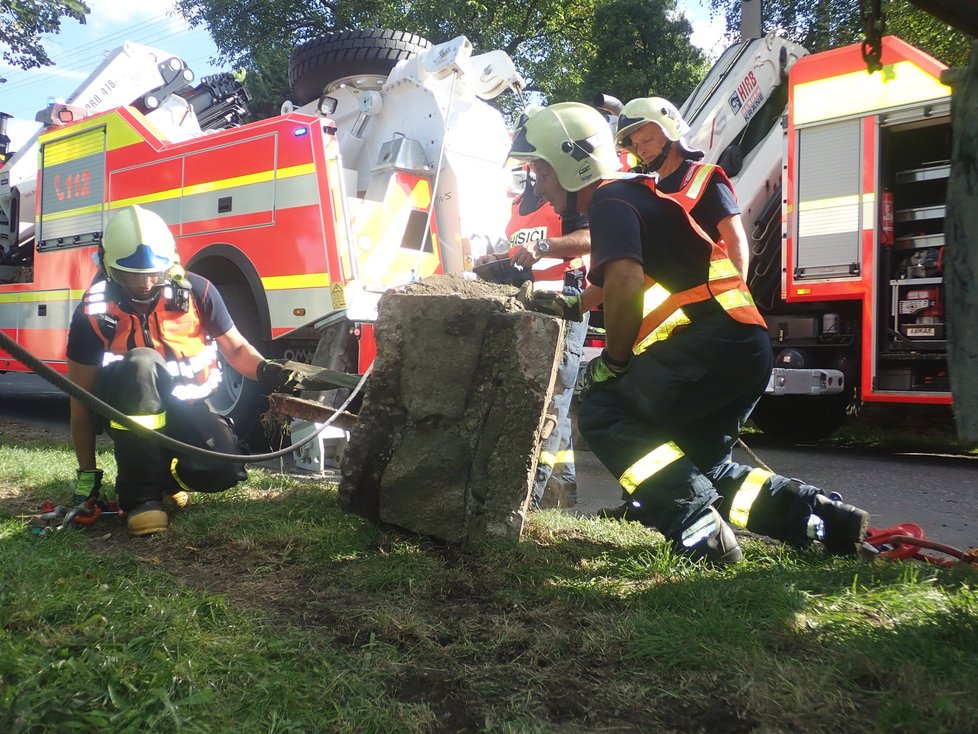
711, 539
844, 525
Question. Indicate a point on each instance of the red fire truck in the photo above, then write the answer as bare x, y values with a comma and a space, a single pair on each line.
385, 174
842, 177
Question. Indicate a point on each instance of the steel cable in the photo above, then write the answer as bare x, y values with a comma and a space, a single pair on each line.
95, 403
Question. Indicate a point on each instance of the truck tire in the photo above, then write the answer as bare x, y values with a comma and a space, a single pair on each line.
800, 418
335, 56
238, 398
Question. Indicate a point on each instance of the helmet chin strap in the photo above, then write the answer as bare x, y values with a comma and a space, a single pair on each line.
571, 205
656, 163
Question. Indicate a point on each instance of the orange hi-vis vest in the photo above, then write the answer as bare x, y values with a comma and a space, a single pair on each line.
662, 311
695, 181
694, 184
526, 229
176, 333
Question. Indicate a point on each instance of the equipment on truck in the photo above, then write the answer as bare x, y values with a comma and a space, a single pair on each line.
841, 177
388, 171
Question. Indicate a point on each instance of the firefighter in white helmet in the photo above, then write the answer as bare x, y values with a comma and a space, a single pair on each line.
687, 357
652, 129
145, 339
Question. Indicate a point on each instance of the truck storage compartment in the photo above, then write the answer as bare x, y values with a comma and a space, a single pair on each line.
912, 337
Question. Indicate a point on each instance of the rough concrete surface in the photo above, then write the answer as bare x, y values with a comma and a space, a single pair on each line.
446, 440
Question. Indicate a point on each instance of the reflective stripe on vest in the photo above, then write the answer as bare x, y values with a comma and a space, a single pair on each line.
662, 310
743, 500
654, 461
692, 191
694, 186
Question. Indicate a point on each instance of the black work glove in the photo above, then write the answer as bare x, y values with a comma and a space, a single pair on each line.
600, 370
88, 482
557, 304
274, 375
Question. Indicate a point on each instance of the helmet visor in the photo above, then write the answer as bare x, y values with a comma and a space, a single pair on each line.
139, 286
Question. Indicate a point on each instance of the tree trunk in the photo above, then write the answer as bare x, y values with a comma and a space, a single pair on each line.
961, 252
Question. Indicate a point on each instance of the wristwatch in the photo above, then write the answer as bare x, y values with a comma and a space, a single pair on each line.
542, 248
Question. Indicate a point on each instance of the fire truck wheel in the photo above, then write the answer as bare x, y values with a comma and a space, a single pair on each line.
800, 418
348, 55
240, 399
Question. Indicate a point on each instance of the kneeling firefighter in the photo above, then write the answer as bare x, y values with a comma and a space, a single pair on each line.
687, 358
145, 339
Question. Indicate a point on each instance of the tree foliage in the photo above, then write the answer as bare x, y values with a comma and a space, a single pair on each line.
566, 49
819, 25
22, 22
649, 55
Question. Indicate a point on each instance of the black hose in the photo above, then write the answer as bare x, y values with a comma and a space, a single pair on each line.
102, 408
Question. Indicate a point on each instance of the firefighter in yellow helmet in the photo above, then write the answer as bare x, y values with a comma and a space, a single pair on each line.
145, 339
652, 129
687, 358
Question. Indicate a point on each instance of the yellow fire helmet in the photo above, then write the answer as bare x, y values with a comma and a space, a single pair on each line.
137, 241
656, 110
573, 138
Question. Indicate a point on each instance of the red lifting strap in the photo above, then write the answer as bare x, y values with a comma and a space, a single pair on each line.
905, 541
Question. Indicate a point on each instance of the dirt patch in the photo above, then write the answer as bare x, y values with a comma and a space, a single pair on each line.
455, 285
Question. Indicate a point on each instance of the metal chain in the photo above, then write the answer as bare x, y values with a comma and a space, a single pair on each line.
874, 28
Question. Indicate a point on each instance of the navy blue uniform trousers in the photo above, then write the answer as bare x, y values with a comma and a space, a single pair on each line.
695, 389
140, 385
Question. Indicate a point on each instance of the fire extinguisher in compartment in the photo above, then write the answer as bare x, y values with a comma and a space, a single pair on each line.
886, 219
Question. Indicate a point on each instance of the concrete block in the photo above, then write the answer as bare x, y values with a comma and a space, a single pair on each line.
447, 437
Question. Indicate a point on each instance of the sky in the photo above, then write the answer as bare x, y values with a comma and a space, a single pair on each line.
78, 49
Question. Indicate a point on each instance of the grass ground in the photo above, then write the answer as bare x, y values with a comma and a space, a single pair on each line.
267, 609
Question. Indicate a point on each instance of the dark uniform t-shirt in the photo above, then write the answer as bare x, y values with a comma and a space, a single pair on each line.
717, 203
85, 346
629, 221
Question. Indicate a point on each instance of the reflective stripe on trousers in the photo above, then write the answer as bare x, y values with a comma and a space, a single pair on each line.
153, 422
653, 462
746, 495
552, 460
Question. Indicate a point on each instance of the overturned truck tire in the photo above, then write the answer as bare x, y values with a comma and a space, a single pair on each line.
346, 55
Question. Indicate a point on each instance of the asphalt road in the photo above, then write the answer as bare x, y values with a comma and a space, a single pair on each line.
938, 492
28, 397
